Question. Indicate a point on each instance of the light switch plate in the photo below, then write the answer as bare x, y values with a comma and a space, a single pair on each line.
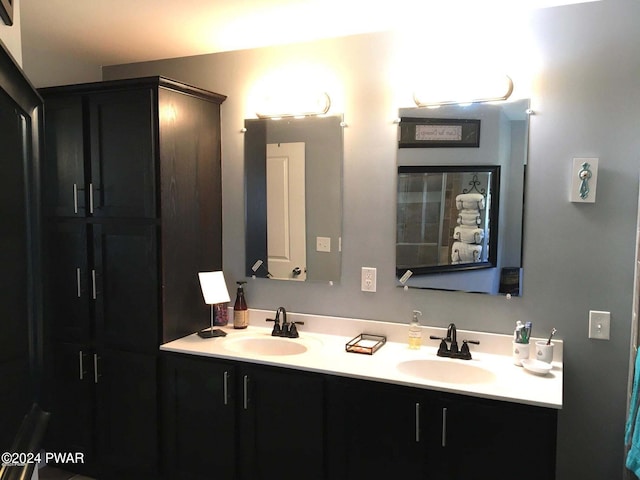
599, 325
323, 244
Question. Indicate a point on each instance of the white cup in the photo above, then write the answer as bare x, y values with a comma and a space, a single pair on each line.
544, 352
520, 352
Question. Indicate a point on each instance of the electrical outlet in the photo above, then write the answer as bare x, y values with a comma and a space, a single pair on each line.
368, 283
599, 325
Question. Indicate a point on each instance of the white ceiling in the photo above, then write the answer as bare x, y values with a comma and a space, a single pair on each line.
107, 32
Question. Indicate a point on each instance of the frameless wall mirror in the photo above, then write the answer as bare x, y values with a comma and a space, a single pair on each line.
460, 197
293, 193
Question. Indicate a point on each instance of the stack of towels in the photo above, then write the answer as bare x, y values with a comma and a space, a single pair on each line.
468, 236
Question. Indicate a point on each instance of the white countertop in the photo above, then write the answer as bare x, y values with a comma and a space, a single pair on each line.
326, 354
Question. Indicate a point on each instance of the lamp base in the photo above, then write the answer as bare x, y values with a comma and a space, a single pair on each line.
211, 332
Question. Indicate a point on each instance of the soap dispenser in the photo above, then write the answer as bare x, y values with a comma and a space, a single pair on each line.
415, 331
240, 310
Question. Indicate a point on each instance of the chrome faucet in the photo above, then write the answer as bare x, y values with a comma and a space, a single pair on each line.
453, 351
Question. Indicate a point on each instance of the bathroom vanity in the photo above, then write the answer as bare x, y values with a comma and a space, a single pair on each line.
253, 406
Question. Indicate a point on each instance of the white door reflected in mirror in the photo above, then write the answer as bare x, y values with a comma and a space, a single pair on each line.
286, 227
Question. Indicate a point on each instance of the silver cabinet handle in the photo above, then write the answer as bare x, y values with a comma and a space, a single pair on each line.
417, 422
94, 290
80, 355
75, 198
95, 367
78, 282
225, 387
91, 198
444, 427
245, 399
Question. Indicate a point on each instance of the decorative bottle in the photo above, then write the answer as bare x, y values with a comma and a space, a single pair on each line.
415, 331
240, 310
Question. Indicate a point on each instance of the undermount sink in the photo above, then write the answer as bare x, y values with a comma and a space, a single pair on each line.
267, 345
447, 371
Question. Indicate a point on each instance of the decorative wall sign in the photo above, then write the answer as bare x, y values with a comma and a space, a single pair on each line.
438, 133
6, 11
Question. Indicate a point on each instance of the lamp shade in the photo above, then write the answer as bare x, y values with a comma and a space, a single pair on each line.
214, 287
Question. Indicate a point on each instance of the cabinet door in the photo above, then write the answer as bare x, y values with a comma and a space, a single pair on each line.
498, 440
126, 415
126, 279
64, 188
123, 181
198, 419
68, 282
15, 243
71, 382
375, 430
282, 424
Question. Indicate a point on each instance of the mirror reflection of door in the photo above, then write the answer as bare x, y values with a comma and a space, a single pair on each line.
286, 228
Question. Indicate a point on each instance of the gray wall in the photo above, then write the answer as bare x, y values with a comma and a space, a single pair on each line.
576, 257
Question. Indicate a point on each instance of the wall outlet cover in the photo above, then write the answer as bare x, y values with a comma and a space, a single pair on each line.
368, 282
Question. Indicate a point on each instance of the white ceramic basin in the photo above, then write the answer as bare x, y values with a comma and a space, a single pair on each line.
267, 345
447, 371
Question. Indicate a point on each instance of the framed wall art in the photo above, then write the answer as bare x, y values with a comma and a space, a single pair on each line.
438, 133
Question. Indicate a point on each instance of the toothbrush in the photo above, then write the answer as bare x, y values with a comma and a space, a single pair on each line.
553, 331
526, 332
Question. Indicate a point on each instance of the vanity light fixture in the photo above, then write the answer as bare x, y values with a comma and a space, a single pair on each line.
214, 290
463, 90
295, 105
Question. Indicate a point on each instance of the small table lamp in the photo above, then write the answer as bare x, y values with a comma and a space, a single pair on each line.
214, 290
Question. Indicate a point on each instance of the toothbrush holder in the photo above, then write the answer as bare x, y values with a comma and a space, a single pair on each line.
520, 352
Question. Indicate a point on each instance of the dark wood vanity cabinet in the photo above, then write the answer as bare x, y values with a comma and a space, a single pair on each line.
198, 418
281, 419
374, 430
132, 206
255, 422
491, 439
418, 433
237, 420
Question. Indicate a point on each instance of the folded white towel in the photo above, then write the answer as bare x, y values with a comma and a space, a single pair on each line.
469, 218
467, 234
470, 201
465, 253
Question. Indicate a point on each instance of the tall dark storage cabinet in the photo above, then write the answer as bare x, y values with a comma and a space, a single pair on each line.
132, 206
